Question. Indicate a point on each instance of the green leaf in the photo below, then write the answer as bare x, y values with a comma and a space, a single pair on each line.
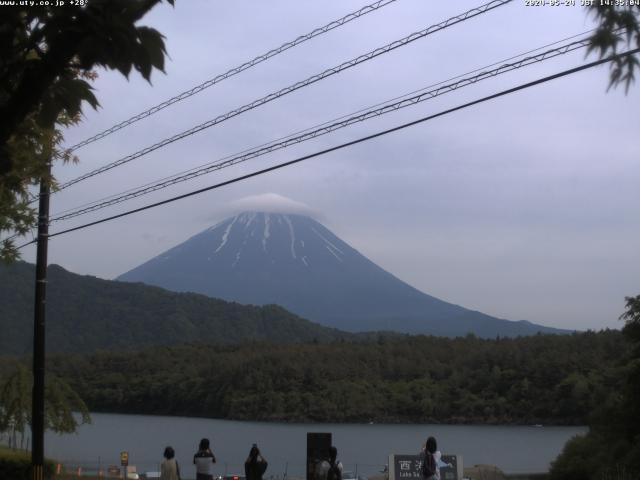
152, 42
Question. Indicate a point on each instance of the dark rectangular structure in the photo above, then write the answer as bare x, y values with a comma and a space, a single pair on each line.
318, 445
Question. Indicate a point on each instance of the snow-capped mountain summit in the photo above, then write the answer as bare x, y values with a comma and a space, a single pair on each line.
294, 261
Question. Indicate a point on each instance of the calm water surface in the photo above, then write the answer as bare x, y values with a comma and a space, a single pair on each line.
365, 447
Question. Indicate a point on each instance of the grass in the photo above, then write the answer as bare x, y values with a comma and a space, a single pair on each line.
10, 453
17, 462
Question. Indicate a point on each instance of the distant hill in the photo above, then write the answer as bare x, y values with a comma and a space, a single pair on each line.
294, 261
85, 314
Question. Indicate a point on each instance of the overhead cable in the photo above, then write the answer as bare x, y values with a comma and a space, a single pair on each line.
296, 86
322, 130
308, 129
351, 143
234, 71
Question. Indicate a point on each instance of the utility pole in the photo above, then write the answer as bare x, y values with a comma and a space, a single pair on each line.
37, 399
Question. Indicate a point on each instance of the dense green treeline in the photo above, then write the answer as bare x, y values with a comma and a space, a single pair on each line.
541, 379
611, 447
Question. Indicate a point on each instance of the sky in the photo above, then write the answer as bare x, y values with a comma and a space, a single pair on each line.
524, 207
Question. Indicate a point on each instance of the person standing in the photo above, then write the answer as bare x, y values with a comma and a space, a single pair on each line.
432, 460
204, 460
255, 465
430, 469
330, 469
169, 469
335, 466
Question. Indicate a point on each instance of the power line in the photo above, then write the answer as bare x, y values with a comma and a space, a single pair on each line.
323, 129
351, 143
296, 86
15, 235
176, 176
234, 71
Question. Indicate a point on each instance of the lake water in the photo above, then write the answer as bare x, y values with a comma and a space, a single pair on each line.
362, 447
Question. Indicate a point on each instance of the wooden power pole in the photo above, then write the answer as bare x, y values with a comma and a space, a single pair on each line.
37, 399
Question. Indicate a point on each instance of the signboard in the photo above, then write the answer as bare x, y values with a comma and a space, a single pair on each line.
409, 467
124, 458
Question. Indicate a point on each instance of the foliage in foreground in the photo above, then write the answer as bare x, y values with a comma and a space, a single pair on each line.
47, 54
16, 465
618, 25
541, 379
63, 406
611, 448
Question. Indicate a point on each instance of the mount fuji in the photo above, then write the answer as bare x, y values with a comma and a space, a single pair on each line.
292, 260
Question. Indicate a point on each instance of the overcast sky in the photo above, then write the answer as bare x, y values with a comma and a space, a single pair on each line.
525, 207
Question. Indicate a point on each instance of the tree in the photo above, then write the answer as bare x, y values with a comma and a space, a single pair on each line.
611, 448
632, 318
47, 55
30, 148
631, 331
60, 405
617, 26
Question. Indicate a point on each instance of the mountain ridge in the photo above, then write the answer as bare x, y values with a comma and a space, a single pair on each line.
85, 313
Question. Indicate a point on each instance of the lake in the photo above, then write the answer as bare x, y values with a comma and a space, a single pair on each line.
364, 448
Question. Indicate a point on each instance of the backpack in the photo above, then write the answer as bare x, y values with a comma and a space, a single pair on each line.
428, 466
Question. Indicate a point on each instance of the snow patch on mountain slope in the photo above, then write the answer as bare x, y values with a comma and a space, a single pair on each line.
250, 217
329, 244
235, 262
333, 253
225, 236
292, 235
267, 224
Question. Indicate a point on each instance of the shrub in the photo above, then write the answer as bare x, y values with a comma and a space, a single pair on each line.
16, 465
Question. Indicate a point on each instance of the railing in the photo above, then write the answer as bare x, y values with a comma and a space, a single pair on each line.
222, 470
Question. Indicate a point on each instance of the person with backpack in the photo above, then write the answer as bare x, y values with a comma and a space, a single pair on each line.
432, 460
255, 465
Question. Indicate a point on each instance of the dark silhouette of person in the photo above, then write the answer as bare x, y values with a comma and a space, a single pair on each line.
255, 465
335, 467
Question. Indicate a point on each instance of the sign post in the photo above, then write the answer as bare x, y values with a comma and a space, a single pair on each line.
124, 461
409, 467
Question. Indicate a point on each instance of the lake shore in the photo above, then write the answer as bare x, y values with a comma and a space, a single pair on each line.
363, 448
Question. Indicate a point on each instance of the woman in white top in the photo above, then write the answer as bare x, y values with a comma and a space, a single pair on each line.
204, 460
169, 469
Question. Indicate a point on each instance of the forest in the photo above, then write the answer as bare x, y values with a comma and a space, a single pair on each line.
543, 379
85, 314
